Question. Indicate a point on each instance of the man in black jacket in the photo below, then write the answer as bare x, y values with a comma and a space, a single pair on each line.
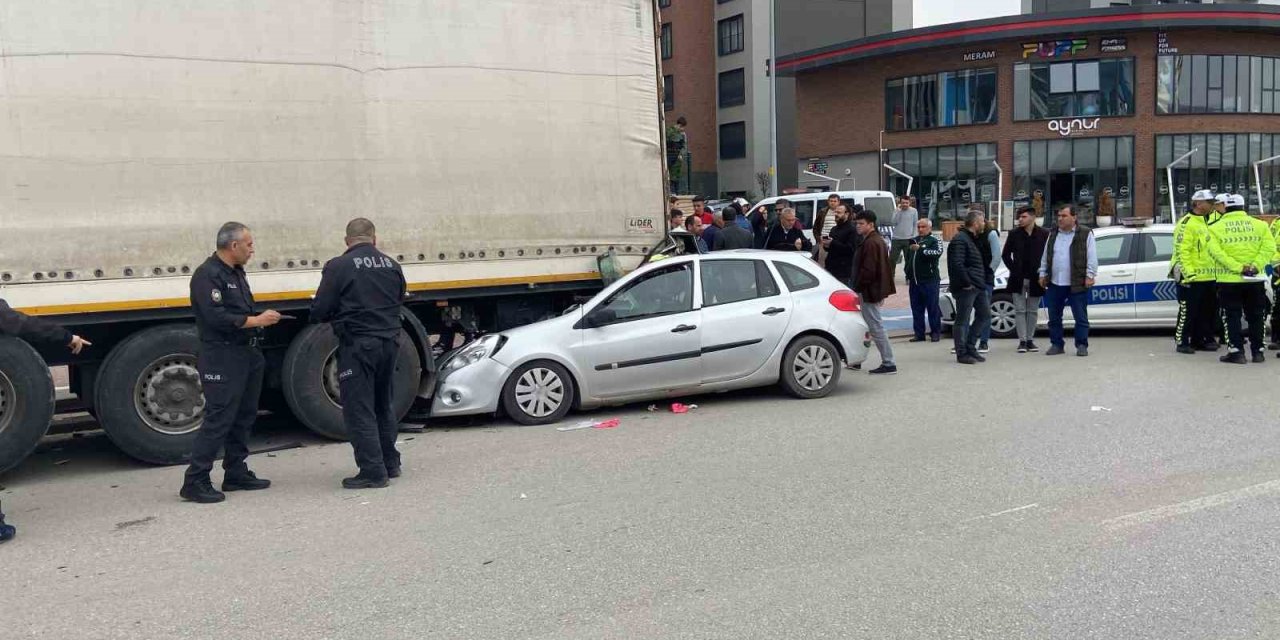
786, 235
732, 236
20, 325
1022, 253
968, 287
841, 244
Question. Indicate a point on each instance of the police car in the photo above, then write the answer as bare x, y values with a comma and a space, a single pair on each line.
1132, 288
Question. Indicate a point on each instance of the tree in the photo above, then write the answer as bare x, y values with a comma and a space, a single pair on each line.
764, 181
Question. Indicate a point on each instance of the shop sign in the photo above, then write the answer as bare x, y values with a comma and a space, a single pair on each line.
1162, 44
1054, 48
1067, 126
974, 56
818, 166
1113, 45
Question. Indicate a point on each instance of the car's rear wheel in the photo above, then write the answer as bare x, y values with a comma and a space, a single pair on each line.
1003, 318
810, 367
538, 392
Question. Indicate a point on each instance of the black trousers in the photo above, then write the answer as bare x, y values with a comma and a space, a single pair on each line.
1250, 300
1275, 310
231, 376
1198, 318
366, 367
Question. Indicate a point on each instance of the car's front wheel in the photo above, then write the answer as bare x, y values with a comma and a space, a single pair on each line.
538, 392
1003, 318
810, 367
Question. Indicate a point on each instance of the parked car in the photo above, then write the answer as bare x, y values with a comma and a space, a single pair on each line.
1132, 288
807, 205
687, 324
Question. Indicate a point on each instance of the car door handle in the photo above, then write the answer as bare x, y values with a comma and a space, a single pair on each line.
1122, 274
773, 311
684, 328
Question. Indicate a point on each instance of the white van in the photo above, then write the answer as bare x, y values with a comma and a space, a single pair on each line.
807, 206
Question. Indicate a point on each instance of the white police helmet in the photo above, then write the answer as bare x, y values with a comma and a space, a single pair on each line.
1203, 194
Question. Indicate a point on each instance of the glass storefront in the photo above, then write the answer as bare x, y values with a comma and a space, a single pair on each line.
1095, 174
947, 179
946, 99
1082, 88
1222, 163
1217, 84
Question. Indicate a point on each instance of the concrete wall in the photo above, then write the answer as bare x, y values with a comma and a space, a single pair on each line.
854, 170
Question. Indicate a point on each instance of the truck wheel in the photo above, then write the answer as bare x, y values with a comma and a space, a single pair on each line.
538, 393
309, 379
810, 368
148, 395
26, 401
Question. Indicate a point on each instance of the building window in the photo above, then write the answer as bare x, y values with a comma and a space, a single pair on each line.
1081, 88
1217, 84
733, 140
666, 41
733, 88
663, 4
730, 35
1222, 163
668, 93
947, 99
947, 179
1094, 174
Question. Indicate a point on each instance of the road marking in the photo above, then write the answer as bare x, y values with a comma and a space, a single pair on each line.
1191, 506
1005, 512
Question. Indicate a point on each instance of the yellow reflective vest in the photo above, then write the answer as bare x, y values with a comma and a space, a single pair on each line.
1237, 240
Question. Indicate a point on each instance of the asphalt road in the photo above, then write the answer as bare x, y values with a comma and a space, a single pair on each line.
944, 502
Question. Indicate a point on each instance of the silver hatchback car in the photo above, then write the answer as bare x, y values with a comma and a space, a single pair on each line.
685, 325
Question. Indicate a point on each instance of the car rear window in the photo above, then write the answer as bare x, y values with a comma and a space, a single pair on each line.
797, 279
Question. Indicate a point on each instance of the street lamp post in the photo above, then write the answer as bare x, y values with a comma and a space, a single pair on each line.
1257, 182
1173, 210
773, 99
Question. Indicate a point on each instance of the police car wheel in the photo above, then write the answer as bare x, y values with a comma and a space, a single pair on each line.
148, 396
810, 367
26, 401
540, 392
1003, 318
308, 378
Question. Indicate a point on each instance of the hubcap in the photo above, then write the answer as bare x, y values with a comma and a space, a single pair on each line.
167, 395
813, 368
539, 392
7, 400
1002, 320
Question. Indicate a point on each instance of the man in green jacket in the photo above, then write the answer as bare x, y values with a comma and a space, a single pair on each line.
1240, 247
923, 281
1191, 268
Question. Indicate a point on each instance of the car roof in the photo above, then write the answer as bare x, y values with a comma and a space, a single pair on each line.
1119, 229
823, 195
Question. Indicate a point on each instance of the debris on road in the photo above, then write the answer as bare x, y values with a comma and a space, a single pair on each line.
611, 423
593, 424
676, 407
279, 447
1096, 408
60, 462
134, 523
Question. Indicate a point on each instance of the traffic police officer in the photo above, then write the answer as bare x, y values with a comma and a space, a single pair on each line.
360, 295
1241, 247
1190, 268
20, 325
230, 366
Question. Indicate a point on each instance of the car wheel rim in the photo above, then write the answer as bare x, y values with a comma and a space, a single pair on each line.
813, 368
8, 398
1002, 316
168, 396
539, 392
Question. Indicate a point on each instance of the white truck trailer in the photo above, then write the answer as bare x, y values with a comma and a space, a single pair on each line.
501, 147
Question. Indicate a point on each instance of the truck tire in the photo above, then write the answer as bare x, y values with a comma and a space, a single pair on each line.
26, 401
148, 395
309, 379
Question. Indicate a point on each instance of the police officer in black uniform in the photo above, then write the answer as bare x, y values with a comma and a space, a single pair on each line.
230, 365
360, 294
20, 325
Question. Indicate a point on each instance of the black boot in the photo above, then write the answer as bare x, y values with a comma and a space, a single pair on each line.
361, 481
246, 481
7, 531
1234, 357
202, 492
393, 472
1259, 356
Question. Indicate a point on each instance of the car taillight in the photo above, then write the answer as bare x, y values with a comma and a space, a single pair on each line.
845, 300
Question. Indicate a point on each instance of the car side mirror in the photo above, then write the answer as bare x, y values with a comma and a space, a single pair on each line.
600, 317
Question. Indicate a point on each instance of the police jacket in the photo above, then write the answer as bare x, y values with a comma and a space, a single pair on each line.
964, 262
1236, 241
360, 294
20, 325
222, 301
1191, 261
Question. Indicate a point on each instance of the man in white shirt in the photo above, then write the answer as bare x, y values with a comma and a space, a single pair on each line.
1067, 272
